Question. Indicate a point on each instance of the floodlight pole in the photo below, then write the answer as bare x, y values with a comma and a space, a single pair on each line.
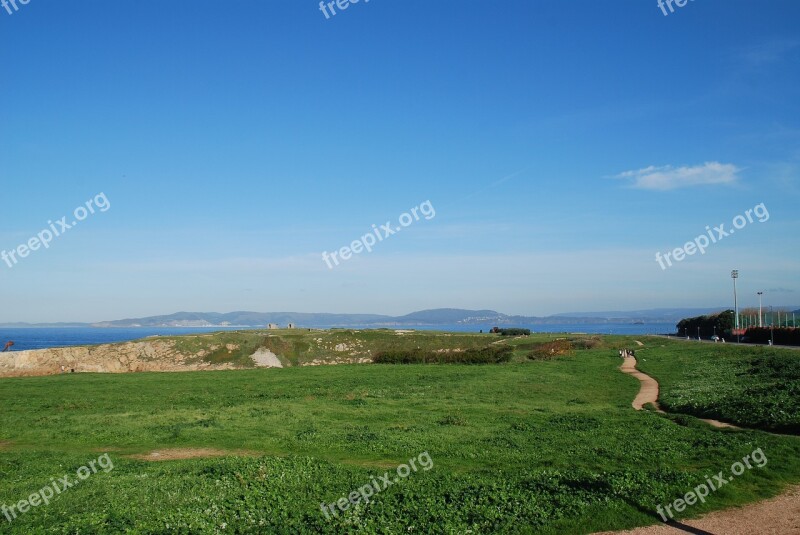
771, 330
734, 276
759, 309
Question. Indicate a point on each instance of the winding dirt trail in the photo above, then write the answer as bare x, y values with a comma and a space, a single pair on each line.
648, 393
776, 516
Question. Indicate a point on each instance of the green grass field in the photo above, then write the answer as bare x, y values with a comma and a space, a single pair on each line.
542, 445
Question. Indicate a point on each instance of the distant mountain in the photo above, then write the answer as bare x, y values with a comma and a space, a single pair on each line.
439, 316
652, 314
450, 315
246, 319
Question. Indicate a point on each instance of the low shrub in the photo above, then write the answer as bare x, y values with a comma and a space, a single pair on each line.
495, 354
595, 342
512, 331
549, 350
781, 335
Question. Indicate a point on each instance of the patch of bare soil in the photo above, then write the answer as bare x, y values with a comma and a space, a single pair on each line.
175, 454
648, 392
264, 358
776, 516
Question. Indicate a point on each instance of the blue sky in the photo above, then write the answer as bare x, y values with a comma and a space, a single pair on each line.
562, 144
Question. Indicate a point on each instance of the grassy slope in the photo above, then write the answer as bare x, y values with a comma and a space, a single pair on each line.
546, 447
755, 387
302, 346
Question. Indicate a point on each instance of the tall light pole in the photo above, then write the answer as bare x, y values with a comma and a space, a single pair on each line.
771, 331
734, 276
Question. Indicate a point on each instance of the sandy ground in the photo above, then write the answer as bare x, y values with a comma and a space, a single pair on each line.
777, 516
175, 454
264, 358
648, 392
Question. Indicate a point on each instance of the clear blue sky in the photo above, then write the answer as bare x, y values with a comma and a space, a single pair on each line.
562, 144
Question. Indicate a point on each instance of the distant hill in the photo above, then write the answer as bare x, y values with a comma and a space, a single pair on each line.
652, 314
438, 316
449, 315
245, 319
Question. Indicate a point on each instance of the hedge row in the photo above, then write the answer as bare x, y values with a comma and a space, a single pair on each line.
783, 336
487, 355
515, 332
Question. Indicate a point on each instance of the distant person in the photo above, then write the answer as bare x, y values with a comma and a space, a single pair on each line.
8, 346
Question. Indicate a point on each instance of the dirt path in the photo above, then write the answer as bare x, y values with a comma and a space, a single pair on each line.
777, 516
174, 454
648, 393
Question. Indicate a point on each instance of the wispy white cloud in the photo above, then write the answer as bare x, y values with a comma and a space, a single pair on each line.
668, 177
768, 52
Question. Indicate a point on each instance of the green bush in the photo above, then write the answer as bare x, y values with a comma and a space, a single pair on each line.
514, 332
549, 350
486, 355
781, 335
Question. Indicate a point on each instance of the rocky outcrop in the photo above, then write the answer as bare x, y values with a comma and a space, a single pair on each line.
265, 358
138, 356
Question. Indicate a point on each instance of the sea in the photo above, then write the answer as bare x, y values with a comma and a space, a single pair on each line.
45, 337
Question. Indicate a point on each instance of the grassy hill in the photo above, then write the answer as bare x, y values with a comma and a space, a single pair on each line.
545, 444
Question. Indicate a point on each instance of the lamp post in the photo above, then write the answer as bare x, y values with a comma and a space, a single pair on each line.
734, 276
771, 330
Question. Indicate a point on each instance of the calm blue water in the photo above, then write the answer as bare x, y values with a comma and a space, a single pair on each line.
38, 338
591, 328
